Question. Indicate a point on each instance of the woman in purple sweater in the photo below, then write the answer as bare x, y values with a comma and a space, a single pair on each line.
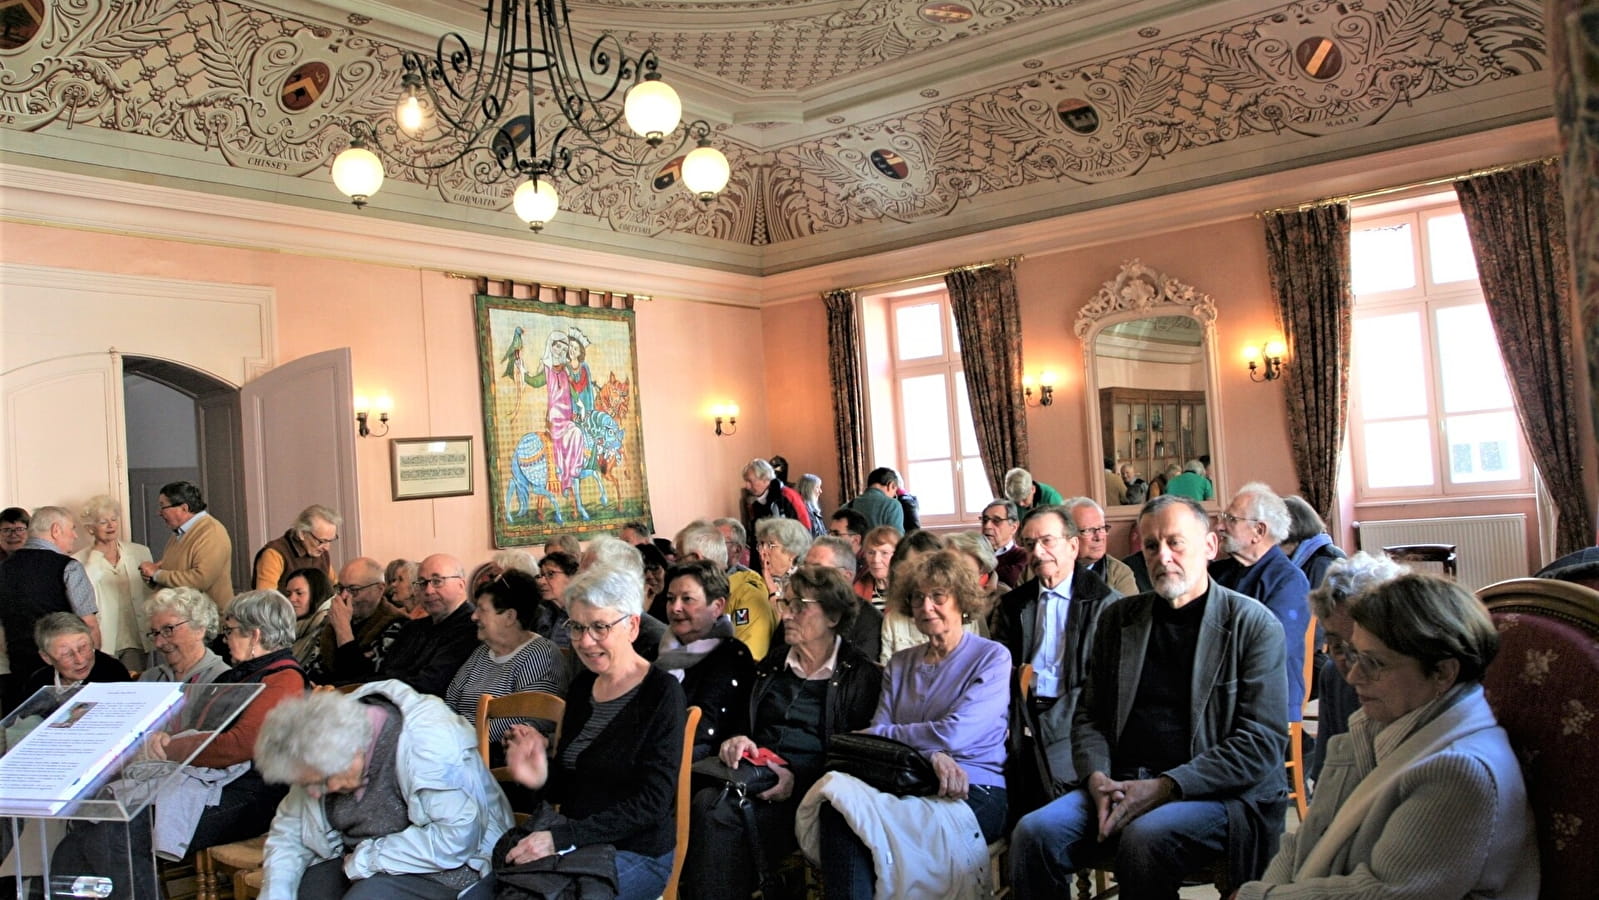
949, 698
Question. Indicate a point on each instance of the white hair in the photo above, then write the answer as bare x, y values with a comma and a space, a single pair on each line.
608, 587
610, 552
322, 733
1268, 508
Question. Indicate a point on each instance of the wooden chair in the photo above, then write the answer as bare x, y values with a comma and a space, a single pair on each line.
521, 705
1296, 731
235, 860
1541, 688
1441, 555
690, 725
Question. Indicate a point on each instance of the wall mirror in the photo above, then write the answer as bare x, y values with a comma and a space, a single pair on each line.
1149, 351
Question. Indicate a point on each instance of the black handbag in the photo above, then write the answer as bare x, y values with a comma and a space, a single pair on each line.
883, 763
746, 779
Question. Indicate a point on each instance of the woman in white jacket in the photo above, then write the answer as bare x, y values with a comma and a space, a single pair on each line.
1423, 797
388, 798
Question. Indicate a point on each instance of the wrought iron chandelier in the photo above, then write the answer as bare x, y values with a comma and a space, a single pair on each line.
457, 105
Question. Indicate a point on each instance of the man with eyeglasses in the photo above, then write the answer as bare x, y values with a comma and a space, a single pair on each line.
1049, 622
39, 579
360, 628
1093, 554
13, 530
999, 522
308, 544
1253, 564
850, 525
427, 652
200, 552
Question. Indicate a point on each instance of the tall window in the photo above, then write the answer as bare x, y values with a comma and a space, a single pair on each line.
1431, 414
933, 440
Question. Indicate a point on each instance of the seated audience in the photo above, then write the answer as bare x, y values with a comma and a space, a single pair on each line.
565, 543
614, 774
815, 687
1050, 622
1027, 493
1000, 520
1168, 793
1190, 482
388, 797
809, 487
398, 576
714, 667
112, 565
310, 592
1346, 579
69, 658
747, 603
899, 628
427, 653
877, 559
635, 533
850, 525
947, 698
555, 571
1252, 563
1423, 797
781, 546
610, 553
183, 621
736, 536
975, 549
1308, 544
865, 629
38, 579
259, 630
1093, 552
1135, 490
1135, 560
879, 503
360, 627
655, 566
308, 544
511, 658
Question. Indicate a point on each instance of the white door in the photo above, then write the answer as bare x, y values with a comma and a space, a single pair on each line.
61, 425
299, 448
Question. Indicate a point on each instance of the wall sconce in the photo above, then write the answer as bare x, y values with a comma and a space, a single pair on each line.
729, 414
1273, 354
363, 408
1046, 389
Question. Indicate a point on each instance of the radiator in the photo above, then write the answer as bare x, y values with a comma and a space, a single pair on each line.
1487, 548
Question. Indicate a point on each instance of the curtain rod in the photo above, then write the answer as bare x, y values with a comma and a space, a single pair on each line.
637, 297
1011, 260
1417, 185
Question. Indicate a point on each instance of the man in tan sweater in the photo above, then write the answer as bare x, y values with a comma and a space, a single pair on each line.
200, 553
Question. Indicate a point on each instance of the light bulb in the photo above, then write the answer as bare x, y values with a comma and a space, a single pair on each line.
652, 109
410, 114
536, 202
362, 404
705, 172
1047, 379
357, 173
1251, 353
1276, 349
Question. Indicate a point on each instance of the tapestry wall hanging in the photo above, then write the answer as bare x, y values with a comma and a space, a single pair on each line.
561, 420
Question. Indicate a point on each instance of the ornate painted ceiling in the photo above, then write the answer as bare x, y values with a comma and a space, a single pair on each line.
853, 126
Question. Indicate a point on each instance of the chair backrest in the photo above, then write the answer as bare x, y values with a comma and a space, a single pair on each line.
1441, 555
1541, 688
690, 726
1310, 660
521, 705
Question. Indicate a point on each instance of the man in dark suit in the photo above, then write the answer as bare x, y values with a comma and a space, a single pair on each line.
1049, 621
1180, 732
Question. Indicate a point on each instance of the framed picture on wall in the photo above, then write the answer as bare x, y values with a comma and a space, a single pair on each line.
420, 468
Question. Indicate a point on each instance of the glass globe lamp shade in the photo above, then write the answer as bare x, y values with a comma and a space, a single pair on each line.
357, 173
705, 172
536, 203
652, 109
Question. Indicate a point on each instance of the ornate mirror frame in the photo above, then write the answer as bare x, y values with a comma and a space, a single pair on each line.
1139, 292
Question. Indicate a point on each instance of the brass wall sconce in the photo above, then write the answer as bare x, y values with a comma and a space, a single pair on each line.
1046, 388
363, 410
1265, 363
726, 419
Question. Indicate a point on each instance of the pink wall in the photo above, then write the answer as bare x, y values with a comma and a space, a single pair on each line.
411, 336
799, 393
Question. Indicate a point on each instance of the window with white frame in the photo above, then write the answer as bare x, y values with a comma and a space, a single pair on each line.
1431, 412
930, 433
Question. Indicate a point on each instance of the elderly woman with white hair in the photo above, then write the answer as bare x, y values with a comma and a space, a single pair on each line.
781, 544
388, 797
614, 774
183, 621
112, 565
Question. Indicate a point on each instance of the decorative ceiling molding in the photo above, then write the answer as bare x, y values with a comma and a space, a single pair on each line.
1137, 288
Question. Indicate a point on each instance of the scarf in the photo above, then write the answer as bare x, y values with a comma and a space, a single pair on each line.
677, 657
1309, 546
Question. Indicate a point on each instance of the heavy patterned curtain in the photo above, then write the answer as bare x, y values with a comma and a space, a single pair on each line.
849, 389
1518, 234
1308, 256
990, 327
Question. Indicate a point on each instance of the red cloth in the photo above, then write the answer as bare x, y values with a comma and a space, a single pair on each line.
237, 744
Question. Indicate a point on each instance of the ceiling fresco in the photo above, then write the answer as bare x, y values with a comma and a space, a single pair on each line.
960, 117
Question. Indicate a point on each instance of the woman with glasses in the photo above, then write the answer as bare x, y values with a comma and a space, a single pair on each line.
820, 685
782, 544
1423, 797
182, 621
310, 592
259, 629
511, 659
948, 699
555, 572
120, 591
614, 774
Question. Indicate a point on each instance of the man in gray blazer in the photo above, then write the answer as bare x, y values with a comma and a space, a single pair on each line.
1181, 727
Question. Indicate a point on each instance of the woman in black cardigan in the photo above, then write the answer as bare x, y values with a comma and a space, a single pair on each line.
714, 667
614, 774
820, 686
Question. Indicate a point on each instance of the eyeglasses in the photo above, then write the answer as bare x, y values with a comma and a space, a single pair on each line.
14, 530
1230, 519
939, 598
229, 631
795, 605
994, 520
1096, 531
164, 506
1049, 542
599, 630
353, 589
311, 538
437, 581
1373, 667
768, 545
166, 631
